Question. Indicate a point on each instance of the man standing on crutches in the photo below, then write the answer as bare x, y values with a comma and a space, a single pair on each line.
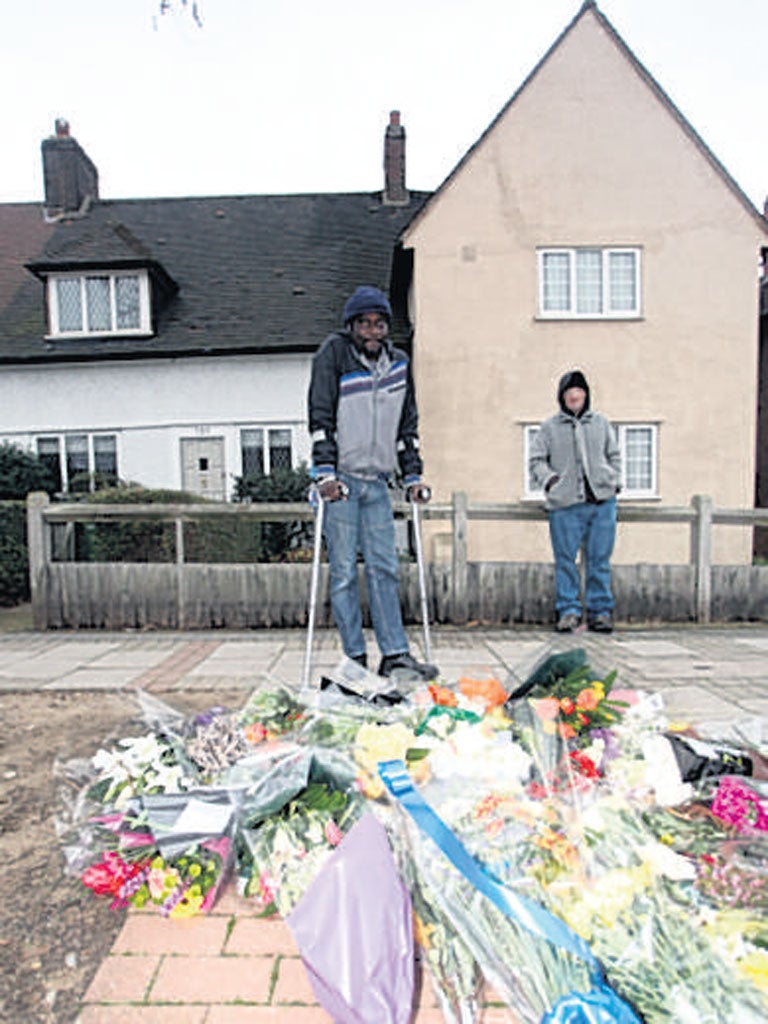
364, 425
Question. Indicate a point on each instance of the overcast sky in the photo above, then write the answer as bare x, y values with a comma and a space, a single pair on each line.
294, 95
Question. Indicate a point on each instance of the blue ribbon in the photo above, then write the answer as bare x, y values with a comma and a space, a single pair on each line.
599, 1006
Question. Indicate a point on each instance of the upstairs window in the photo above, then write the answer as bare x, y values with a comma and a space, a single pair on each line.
591, 283
99, 303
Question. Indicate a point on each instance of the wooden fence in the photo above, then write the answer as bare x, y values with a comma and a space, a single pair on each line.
184, 595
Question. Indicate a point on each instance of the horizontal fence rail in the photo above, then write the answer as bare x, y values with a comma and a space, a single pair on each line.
182, 594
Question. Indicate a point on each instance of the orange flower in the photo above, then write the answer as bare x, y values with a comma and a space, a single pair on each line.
567, 705
547, 708
567, 732
442, 695
587, 700
486, 691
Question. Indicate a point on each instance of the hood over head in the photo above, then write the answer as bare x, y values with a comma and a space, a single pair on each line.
572, 379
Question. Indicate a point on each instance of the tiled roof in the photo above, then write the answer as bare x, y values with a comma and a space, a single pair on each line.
254, 273
23, 233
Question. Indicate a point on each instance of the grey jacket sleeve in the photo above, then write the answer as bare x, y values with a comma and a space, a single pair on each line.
538, 459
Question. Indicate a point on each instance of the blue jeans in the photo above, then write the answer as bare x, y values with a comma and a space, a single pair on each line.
594, 528
364, 523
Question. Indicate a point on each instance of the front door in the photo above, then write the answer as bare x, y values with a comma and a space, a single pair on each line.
202, 467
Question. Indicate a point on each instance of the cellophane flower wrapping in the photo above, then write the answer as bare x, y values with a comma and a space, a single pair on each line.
282, 851
173, 852
353, 927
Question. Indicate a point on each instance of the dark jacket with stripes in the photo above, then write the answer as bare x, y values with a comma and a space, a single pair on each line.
362, 414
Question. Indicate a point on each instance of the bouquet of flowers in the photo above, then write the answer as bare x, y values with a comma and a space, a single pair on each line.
283, 853
171, 851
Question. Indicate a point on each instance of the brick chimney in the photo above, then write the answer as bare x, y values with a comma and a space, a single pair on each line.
70, 177
395, 192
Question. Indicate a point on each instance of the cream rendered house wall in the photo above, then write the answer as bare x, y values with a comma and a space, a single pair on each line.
588, 154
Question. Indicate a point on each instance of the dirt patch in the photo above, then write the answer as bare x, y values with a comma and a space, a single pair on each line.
54, 933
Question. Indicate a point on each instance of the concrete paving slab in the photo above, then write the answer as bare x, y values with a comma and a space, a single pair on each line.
133, 654
759, 643
656, 649
747, 668
697, 704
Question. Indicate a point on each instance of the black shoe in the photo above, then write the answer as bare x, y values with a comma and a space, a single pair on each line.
405, 662
568, 623
602, 623
361, 659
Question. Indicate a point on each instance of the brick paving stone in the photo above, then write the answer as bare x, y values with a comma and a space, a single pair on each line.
269, 1015
153, 934
123, 979
253, 936
293, 985
213, 979
144, 1015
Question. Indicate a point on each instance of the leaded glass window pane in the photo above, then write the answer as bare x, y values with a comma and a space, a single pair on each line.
557, 282
98, 303
127, 302
69, 301
638, 458
622, 281
279, 450
252, 450
589, 281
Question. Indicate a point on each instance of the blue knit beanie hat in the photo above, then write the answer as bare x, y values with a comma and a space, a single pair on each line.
366, 299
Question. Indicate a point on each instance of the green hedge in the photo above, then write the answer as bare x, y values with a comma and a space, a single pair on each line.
14, 560
279, 542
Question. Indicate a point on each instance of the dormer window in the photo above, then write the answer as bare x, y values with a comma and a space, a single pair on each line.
99, 303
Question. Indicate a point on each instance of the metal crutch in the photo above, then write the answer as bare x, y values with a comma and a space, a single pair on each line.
416, 519
317, 548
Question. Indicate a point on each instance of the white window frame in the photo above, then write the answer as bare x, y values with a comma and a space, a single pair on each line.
637, 492
627, 493
145, 326
265, 429
606, 313
530, 493
62, 443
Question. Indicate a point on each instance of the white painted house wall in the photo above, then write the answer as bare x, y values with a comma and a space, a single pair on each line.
152, 405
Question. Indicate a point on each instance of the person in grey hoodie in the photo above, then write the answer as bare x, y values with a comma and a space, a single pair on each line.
575, 458
364, 424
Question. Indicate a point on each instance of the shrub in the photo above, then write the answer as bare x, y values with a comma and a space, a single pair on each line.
14, 560
22, 472
139, 541
218, 539
279, 541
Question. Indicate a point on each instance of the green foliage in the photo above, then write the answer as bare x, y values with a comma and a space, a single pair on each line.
22, 472
14, 561
279, 542
129, 541
220, 539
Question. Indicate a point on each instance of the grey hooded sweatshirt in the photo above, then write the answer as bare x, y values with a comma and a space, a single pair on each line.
575, 458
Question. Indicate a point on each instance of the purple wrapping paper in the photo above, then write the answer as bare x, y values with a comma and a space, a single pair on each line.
354, 930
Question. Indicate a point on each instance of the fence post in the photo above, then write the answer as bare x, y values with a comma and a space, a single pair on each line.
701, 556
181, 589
39, 553
459, 601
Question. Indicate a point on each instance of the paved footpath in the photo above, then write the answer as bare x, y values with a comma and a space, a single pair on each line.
230, 966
